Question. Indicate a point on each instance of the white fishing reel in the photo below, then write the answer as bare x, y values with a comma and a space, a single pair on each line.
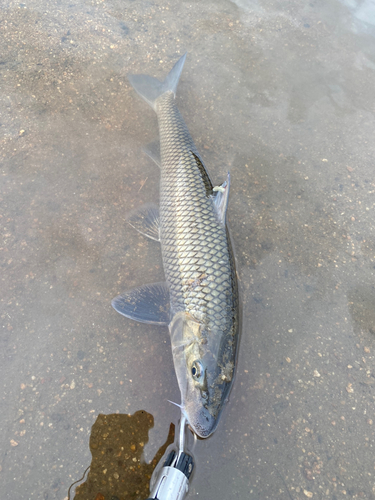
171, 482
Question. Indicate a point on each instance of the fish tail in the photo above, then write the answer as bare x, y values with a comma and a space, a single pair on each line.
150, 88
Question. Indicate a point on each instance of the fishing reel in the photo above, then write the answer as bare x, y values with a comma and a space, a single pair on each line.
171, 482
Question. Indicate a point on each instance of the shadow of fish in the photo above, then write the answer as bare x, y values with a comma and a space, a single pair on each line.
199, 298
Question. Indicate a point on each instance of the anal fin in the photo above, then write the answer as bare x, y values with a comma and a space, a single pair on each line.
146, 304
146, 220
152, 150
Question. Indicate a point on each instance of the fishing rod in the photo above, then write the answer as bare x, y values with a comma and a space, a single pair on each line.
172, 480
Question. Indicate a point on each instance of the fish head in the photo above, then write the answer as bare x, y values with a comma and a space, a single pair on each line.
203, 376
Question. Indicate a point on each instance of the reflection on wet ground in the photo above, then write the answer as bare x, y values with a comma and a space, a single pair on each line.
117, 469
280, 93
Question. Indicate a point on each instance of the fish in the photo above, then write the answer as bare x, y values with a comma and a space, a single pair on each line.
199, 299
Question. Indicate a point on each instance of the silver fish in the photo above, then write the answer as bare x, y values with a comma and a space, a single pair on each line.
199, 298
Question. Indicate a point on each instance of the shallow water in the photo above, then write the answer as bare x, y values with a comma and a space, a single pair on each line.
279, 93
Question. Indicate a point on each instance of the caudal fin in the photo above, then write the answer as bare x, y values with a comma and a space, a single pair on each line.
150, 88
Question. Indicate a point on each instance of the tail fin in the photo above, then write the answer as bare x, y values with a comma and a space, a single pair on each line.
150, 88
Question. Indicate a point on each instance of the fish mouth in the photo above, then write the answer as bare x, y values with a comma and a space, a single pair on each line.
202, 422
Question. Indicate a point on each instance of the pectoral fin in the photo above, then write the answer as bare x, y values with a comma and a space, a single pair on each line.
146, 220
146, 304
221, 196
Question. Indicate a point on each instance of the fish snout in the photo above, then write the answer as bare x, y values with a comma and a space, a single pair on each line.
201, 421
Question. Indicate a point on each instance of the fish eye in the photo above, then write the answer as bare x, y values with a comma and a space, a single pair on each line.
196, 370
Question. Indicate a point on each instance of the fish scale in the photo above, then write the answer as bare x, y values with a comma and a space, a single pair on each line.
182, 186
184, 206
199, 300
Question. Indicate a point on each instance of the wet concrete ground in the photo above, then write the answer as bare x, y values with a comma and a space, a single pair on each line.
279, 93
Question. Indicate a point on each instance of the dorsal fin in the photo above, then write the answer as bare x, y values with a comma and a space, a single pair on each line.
221, 195
205, 177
